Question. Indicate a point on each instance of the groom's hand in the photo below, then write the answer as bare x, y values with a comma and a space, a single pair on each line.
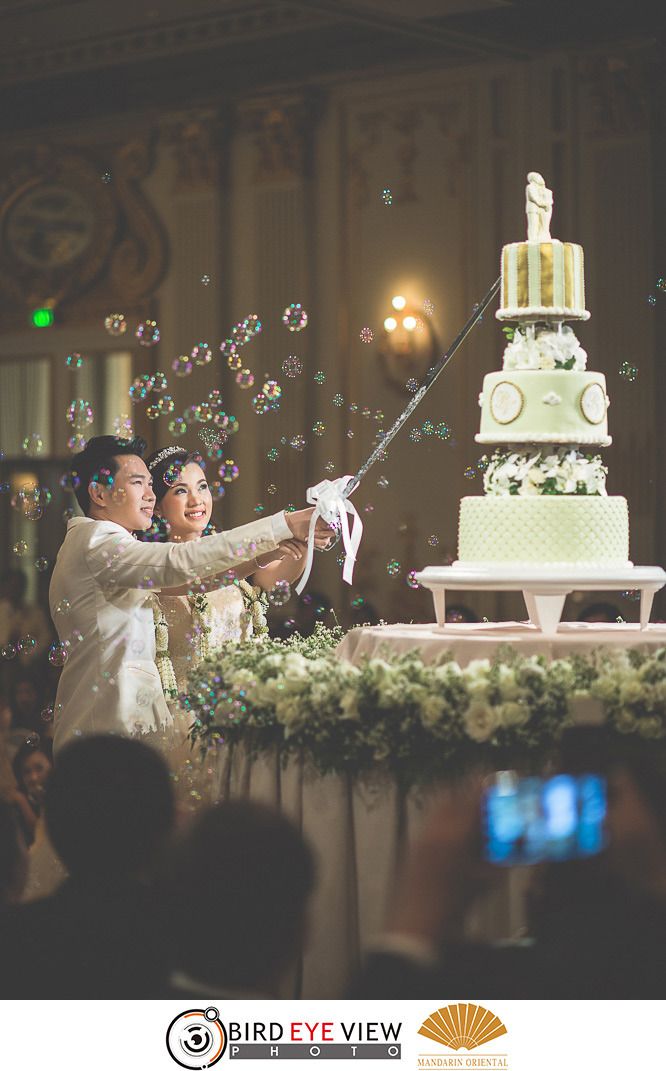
299, 523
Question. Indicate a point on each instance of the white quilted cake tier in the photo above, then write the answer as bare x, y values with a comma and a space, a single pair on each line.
576, 529
557, 406
542, 281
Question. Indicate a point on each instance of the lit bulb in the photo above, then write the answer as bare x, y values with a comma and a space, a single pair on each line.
409, 323
399, 302
390, 324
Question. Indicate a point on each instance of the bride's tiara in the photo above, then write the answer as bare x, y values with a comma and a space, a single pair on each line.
164, 454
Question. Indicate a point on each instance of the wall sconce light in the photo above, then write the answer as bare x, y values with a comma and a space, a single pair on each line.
408, 345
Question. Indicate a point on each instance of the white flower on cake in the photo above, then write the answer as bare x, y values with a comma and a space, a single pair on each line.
562, 471
544, 348
551, 398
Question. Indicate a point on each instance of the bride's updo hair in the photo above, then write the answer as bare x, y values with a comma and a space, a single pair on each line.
166, 465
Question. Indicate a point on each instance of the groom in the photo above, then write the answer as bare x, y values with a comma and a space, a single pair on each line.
101, 584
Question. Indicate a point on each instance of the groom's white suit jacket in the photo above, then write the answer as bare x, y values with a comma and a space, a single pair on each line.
110, 683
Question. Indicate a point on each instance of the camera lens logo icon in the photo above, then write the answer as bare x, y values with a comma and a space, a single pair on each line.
196, 1038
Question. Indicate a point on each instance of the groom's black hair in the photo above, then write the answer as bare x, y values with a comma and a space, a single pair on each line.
97, 462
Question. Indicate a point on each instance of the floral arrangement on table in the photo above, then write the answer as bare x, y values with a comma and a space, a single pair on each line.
418, 720
560, 470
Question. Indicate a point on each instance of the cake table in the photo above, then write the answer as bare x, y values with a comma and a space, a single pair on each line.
544, 589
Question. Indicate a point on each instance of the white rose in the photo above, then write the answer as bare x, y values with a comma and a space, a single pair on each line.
432, 709
288, 712
512, 714
480, 721
507, 682
349, 705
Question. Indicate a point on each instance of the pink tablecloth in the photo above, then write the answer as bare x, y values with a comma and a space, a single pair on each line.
468, 641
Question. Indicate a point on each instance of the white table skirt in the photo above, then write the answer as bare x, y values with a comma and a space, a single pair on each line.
466, 641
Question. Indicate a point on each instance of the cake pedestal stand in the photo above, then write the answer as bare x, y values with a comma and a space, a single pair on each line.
544, 589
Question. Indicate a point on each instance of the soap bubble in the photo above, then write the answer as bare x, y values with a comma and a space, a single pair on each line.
272, 390
428, 307
280, 594
292, 366
79, 413
369, 508
329, 467
470, 472
106, 177
182, 365
319, 378
338, 400
633, 595
57, 654
158, 382
443, 431
273, 454
366, 335
318, 427
20, 548
259, 508
393, 568
177, 427
201, 354
210, 437
152, 412
294, 317
260, 404
122, 426
41, 565
148, 333
433, 541
166, 404
173, 473
271, 489
412, 385
661, 284
382, 482
427, 427
74, 361
75, 443
33, 445
228, 471
245, 378
205, 280
652, 300
63, 607
116, 324
387, 196
415, 435
8, 651
628, 371
297, 442
25, 644
350, 433
411, 580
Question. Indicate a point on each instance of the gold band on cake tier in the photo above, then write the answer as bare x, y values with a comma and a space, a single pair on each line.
542, 280
590, 530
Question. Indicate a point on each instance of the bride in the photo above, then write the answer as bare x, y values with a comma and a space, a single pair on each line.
191, 623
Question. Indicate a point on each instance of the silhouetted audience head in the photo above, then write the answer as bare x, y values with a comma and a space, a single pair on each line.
251, 875
109, 807
599, 611
13, 856
25, 703
458, 612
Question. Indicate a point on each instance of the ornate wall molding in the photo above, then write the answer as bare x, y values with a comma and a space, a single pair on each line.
282, 131
615, 95
199, 142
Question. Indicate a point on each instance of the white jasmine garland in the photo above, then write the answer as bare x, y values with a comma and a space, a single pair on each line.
547, 470
544, 348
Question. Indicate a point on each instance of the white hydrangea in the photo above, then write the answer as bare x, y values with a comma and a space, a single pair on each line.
545, 348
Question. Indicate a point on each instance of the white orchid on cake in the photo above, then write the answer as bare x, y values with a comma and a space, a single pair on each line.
543, 348
552, 470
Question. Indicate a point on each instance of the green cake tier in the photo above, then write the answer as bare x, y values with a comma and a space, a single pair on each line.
525, 406
590, 530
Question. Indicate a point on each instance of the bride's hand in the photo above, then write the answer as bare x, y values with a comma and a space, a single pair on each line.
290, 548
299, 523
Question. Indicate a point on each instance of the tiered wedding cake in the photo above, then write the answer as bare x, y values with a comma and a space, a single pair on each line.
545, 496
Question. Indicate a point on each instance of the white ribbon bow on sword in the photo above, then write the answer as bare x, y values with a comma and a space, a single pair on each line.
331, 505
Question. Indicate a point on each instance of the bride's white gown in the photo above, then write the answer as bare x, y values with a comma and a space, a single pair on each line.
194, 780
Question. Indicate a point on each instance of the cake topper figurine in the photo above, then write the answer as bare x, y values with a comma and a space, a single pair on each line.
539, 208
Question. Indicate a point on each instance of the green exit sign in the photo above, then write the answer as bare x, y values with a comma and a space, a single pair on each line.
42, 317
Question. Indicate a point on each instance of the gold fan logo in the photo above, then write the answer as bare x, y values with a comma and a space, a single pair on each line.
462, 1026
